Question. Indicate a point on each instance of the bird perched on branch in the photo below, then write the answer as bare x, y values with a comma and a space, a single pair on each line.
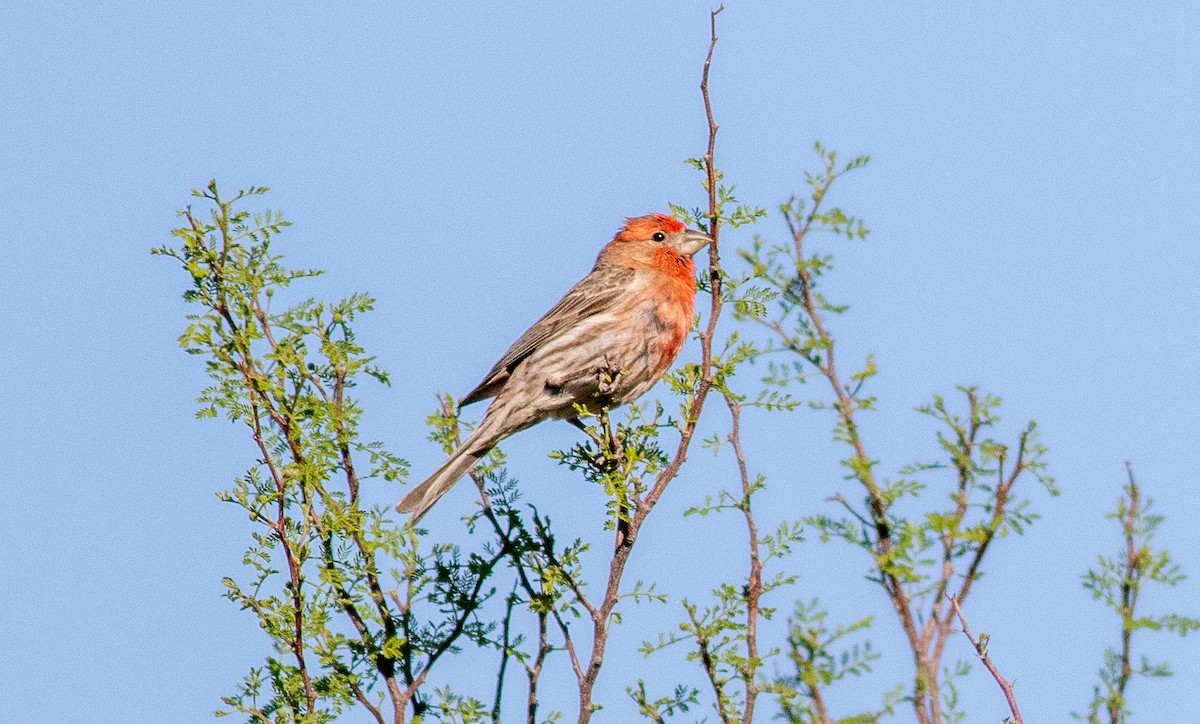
604, 344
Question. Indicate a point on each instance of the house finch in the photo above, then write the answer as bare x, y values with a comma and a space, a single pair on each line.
604, 344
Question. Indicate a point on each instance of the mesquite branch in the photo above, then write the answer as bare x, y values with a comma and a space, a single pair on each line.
1135, 561
754, 583
959, 545
316, 586
980, 646
602, 614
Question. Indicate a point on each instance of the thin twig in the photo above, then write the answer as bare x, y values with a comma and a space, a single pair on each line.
460, 622
1130, 585
527, 585
535, 671
508, 542
384, 665
505, 652
981, 650
1003, 489
601, 617
248, 366
710, 667
845, 405
754, 584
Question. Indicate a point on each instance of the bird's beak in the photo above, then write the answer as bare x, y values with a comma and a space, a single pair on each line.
693, 241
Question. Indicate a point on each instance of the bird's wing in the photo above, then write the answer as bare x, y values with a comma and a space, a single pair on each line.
596, 292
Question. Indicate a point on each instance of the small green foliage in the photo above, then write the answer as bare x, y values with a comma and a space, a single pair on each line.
451, 708
677, 702
1120, 581
359, 608
352, 602
624, 459
818, 659
917, 548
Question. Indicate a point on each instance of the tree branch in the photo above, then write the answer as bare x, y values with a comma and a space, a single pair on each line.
980, 646
602, 614
754, 584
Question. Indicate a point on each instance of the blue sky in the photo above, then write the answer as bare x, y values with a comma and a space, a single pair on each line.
1032, 201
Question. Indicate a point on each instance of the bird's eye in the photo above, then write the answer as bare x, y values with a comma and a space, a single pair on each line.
659, 236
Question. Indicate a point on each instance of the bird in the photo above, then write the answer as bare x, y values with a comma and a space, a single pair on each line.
604, 344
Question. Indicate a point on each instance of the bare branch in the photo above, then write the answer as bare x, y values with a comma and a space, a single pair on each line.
980, 646
601, 616
754, 584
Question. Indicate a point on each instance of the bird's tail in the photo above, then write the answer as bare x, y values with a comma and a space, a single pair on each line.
420, 499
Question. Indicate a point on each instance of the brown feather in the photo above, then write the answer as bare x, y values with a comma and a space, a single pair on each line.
595, 293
